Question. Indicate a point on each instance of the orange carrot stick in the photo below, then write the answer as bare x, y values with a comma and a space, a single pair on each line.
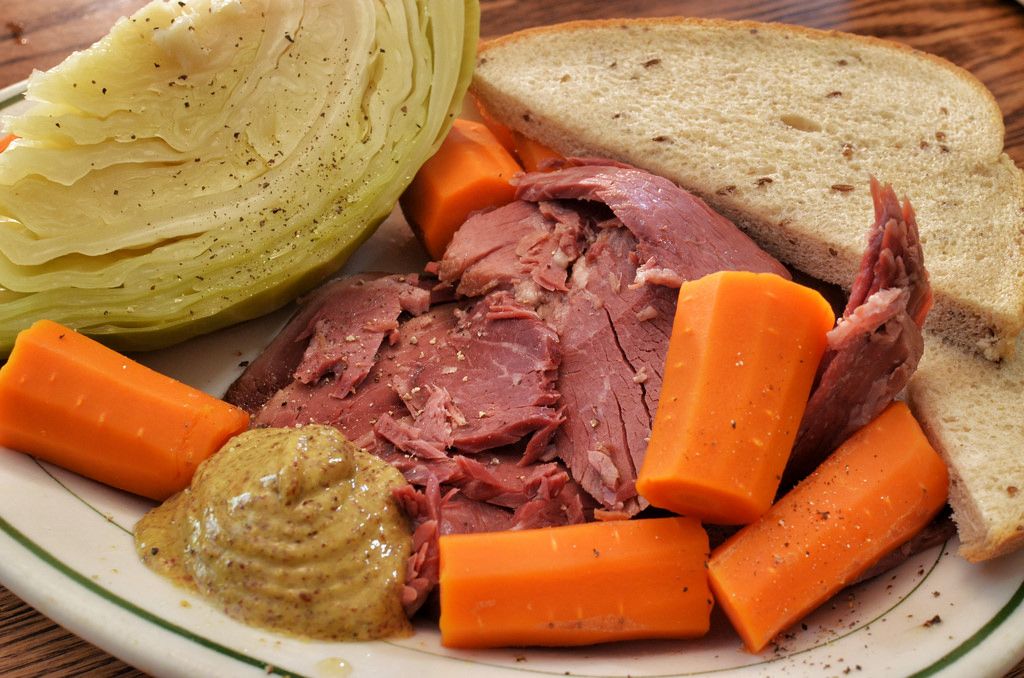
5, 141
741, 360
469, 172
530, 154
503, 133
533, 154
73, 402
575, 585
876, 491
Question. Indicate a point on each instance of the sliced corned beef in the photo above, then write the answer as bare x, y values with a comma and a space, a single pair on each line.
628, 238
496, 366
497, 478
877, 344
523, 246
337, 331
482, 253
608, 415
423, 569
679, 237
354, 414
894, 257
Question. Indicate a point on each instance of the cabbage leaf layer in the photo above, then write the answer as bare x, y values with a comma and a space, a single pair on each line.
208, 161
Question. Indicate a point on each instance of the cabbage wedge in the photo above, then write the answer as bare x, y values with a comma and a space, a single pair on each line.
208, 161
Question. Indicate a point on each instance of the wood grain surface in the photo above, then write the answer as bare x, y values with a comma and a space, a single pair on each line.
986, 38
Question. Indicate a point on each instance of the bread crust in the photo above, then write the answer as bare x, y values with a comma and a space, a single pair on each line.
731, 24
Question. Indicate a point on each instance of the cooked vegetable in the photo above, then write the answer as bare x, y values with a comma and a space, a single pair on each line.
208, 161
528, 152
73, 402
470, 172
503, 133
5, 141
532, 154
741, 360
575, 585
875, 492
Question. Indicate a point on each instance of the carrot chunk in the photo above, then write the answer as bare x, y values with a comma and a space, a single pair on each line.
876, 491
73, 402
5, 141
503, 133
741, 360
575, 585
532, 154
469, 172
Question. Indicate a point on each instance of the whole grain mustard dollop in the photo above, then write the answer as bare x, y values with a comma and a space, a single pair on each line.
294, 530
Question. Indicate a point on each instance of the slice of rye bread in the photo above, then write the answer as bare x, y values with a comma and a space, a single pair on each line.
971, 410
779, 128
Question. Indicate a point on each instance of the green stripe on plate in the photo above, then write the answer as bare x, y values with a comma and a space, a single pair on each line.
44, 555
74, 494
975, 640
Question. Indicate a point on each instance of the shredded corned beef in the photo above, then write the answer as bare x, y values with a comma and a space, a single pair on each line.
517, 388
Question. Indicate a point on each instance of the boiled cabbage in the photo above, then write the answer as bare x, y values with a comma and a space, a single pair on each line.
208, 161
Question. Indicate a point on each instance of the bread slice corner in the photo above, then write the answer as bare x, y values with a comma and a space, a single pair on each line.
971, 411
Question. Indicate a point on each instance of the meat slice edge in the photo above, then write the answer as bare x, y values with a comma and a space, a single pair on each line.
613, 343
680, 238
498, 365
877, 344
337, 330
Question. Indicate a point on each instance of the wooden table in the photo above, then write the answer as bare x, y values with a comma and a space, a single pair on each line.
985, 37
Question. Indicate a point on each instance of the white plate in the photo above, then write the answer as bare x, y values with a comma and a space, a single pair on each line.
67, 549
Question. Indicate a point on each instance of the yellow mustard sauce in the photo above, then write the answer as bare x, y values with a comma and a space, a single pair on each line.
294, 530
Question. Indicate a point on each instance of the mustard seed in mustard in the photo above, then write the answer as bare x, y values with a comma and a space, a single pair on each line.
294, 530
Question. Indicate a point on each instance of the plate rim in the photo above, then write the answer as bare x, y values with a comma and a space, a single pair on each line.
12, 93
31, 551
